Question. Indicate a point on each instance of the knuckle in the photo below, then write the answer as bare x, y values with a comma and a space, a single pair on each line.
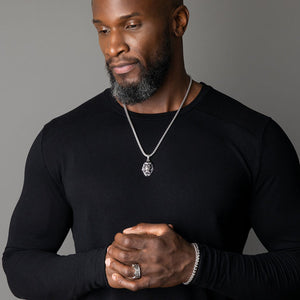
134, 288
124, 255
126, 242
116, 235
112, 264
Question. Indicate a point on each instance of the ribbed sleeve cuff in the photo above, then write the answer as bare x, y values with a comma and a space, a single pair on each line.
98, 276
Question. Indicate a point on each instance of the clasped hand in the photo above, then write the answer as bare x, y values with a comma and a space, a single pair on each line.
165, 258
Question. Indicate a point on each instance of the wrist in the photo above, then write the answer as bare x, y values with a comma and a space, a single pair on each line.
189, 263
194, 266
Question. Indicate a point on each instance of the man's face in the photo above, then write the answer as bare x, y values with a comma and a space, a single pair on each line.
135, 40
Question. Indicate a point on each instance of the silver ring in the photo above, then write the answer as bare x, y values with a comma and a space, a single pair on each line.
137, 271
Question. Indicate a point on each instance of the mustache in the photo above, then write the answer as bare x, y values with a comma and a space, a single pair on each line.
113, 61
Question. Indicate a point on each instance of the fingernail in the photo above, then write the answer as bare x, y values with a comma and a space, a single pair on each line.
107, 262
114, 277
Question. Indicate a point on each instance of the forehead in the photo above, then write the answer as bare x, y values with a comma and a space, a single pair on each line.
113, 9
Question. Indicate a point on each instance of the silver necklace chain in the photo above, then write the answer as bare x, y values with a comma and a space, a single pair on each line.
148, 166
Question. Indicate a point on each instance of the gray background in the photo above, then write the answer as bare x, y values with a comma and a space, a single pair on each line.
50, 62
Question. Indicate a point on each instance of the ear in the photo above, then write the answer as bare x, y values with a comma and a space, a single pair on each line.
180, 21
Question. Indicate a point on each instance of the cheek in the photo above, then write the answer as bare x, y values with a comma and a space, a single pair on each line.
142, 47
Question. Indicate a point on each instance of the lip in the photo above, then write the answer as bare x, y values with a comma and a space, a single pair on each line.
123, 68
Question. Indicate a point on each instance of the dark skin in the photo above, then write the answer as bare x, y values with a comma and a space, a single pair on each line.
131, 30
165, 258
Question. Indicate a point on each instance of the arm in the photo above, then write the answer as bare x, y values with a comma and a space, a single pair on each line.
275, 218
38, 227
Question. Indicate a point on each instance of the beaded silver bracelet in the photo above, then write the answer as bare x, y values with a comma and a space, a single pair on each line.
197, 252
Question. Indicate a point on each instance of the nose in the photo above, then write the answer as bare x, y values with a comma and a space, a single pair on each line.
116, 44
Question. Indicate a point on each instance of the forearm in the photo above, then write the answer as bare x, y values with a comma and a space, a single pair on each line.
272, 275
35, 274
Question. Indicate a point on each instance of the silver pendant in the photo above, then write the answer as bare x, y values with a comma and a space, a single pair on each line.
147, 167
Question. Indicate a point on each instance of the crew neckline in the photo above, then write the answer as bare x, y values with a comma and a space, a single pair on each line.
120, 110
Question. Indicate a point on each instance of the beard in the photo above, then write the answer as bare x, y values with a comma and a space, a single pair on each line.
151, 78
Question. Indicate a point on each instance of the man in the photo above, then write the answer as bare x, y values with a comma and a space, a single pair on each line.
188, 169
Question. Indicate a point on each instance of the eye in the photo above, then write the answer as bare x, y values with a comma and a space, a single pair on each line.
103, 30
132, 26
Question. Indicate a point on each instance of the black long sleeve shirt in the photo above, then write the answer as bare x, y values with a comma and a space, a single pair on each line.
221, 169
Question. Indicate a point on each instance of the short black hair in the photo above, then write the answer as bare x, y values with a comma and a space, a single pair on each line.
176, 2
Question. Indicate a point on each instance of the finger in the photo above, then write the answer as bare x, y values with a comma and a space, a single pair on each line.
156, 229
123, 256
131, 241
133, 285
116, 266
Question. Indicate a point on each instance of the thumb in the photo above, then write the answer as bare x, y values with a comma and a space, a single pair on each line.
156, 229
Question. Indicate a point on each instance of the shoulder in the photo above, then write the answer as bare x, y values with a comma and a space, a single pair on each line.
226, 109
73, 121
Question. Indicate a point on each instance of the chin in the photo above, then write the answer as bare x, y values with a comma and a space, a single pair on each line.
125, 81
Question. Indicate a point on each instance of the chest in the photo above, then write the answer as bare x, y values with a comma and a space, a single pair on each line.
200, 182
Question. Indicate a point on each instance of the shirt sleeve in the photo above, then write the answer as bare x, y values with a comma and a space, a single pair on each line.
275, 218
38, 227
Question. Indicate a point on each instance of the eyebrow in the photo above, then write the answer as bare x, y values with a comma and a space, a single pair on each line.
134, 14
